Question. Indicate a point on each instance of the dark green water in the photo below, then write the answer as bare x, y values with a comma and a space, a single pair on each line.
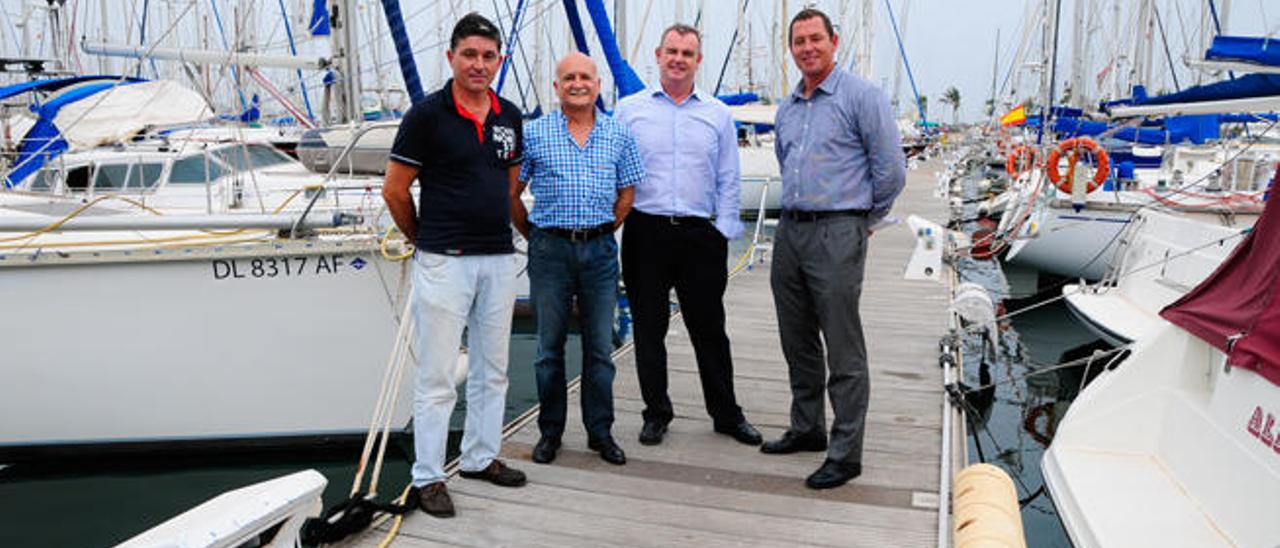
101, 504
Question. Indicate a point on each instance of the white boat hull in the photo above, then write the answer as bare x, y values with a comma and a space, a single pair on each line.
1070, 243
1158, 452
269, 341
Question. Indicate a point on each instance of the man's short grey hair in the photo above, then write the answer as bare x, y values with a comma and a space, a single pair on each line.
683, 30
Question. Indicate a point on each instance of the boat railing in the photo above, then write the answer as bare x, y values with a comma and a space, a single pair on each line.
329, 177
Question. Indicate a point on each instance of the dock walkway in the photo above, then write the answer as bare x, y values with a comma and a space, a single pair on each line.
699, 488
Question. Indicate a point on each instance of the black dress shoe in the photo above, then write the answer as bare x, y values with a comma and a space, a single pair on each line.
833, 474
791, 442
608, 449
743, 432
545, 450
651, 433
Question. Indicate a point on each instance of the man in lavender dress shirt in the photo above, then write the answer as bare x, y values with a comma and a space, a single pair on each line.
677, 236
842, 166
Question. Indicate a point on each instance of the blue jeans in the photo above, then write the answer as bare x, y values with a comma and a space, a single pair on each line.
451, 293
560, 271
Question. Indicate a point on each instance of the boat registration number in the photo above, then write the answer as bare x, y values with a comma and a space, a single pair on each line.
283, 267
1263, 426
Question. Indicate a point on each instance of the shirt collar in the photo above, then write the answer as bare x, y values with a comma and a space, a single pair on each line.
563, 119
494, 104
657, 91
828, 86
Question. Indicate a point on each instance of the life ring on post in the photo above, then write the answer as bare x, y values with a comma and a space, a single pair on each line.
1073, 148
1021, 160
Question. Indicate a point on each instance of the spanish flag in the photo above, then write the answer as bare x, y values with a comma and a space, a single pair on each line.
1015, 117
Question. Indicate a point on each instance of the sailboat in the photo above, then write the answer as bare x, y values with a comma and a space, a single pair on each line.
1178, 445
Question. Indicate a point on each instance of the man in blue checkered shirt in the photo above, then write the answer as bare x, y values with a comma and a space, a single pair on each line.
581, 168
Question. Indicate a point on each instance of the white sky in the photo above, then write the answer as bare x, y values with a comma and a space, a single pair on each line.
949, 42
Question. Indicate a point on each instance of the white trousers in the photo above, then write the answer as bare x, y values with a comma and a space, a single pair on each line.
450, 293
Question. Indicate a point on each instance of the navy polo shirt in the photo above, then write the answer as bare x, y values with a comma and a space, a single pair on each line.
462, 164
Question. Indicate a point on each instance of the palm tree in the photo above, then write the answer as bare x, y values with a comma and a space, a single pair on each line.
951, 98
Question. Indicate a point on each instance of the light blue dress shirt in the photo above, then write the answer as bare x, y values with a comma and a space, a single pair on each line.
840, 148
690, 153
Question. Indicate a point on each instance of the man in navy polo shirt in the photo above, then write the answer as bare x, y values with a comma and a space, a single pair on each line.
463, 145
581, 168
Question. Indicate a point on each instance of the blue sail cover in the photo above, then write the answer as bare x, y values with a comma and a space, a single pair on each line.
739, 99
54, 84
319, 25
1197, 129
1263, 51
408, 68
623, 75
44, 140
1244, 87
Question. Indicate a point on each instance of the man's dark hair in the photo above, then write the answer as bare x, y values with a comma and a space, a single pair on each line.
474, 24
810, 13
681, 29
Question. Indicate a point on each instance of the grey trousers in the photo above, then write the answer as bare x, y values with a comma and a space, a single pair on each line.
817, 280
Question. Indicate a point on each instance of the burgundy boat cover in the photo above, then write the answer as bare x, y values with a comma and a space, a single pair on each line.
1237, 308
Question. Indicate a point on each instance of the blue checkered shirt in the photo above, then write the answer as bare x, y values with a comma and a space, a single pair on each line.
573, 186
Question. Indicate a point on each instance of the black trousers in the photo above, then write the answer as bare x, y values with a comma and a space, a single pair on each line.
659, 253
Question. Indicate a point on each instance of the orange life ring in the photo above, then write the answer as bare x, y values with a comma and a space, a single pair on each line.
1021, 160
1075, 147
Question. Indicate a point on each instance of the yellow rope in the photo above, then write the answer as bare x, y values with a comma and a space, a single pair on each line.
743, 260
386, 253
395, 525
79, 210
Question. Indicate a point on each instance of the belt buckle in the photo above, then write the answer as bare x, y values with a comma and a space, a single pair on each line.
577, 235
674, 220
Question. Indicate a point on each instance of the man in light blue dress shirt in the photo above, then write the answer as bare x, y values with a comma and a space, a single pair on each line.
842, 166
677, 236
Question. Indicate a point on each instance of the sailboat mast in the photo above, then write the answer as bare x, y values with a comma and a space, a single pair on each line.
905, 10
1079, 56
346, 60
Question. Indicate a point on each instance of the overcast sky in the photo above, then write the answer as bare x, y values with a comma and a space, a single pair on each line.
948, 42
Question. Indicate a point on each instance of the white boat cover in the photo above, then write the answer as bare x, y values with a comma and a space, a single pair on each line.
120, 113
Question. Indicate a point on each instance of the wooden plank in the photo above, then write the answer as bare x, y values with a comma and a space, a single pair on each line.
701, 488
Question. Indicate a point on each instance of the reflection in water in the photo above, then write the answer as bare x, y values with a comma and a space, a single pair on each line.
1016, 389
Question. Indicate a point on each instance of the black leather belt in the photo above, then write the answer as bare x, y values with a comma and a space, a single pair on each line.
579, 234
809, 216
670, 219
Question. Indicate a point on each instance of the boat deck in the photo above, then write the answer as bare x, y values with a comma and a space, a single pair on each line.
699, 488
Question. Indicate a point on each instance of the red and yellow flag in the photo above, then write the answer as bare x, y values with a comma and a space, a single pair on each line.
1017, 116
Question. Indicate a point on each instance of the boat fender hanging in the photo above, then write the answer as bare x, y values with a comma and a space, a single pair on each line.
1073, 149
1021, 159
985, 506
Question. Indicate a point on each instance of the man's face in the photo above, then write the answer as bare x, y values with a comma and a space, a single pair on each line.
475, 62
577, 82
813, 49
678, 57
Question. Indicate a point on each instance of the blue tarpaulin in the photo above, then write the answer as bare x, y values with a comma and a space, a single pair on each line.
1264, 51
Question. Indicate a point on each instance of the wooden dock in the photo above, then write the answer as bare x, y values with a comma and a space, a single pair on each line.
699, 488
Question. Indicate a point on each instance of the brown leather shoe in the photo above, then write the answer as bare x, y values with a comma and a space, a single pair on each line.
434, 500
497, 473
